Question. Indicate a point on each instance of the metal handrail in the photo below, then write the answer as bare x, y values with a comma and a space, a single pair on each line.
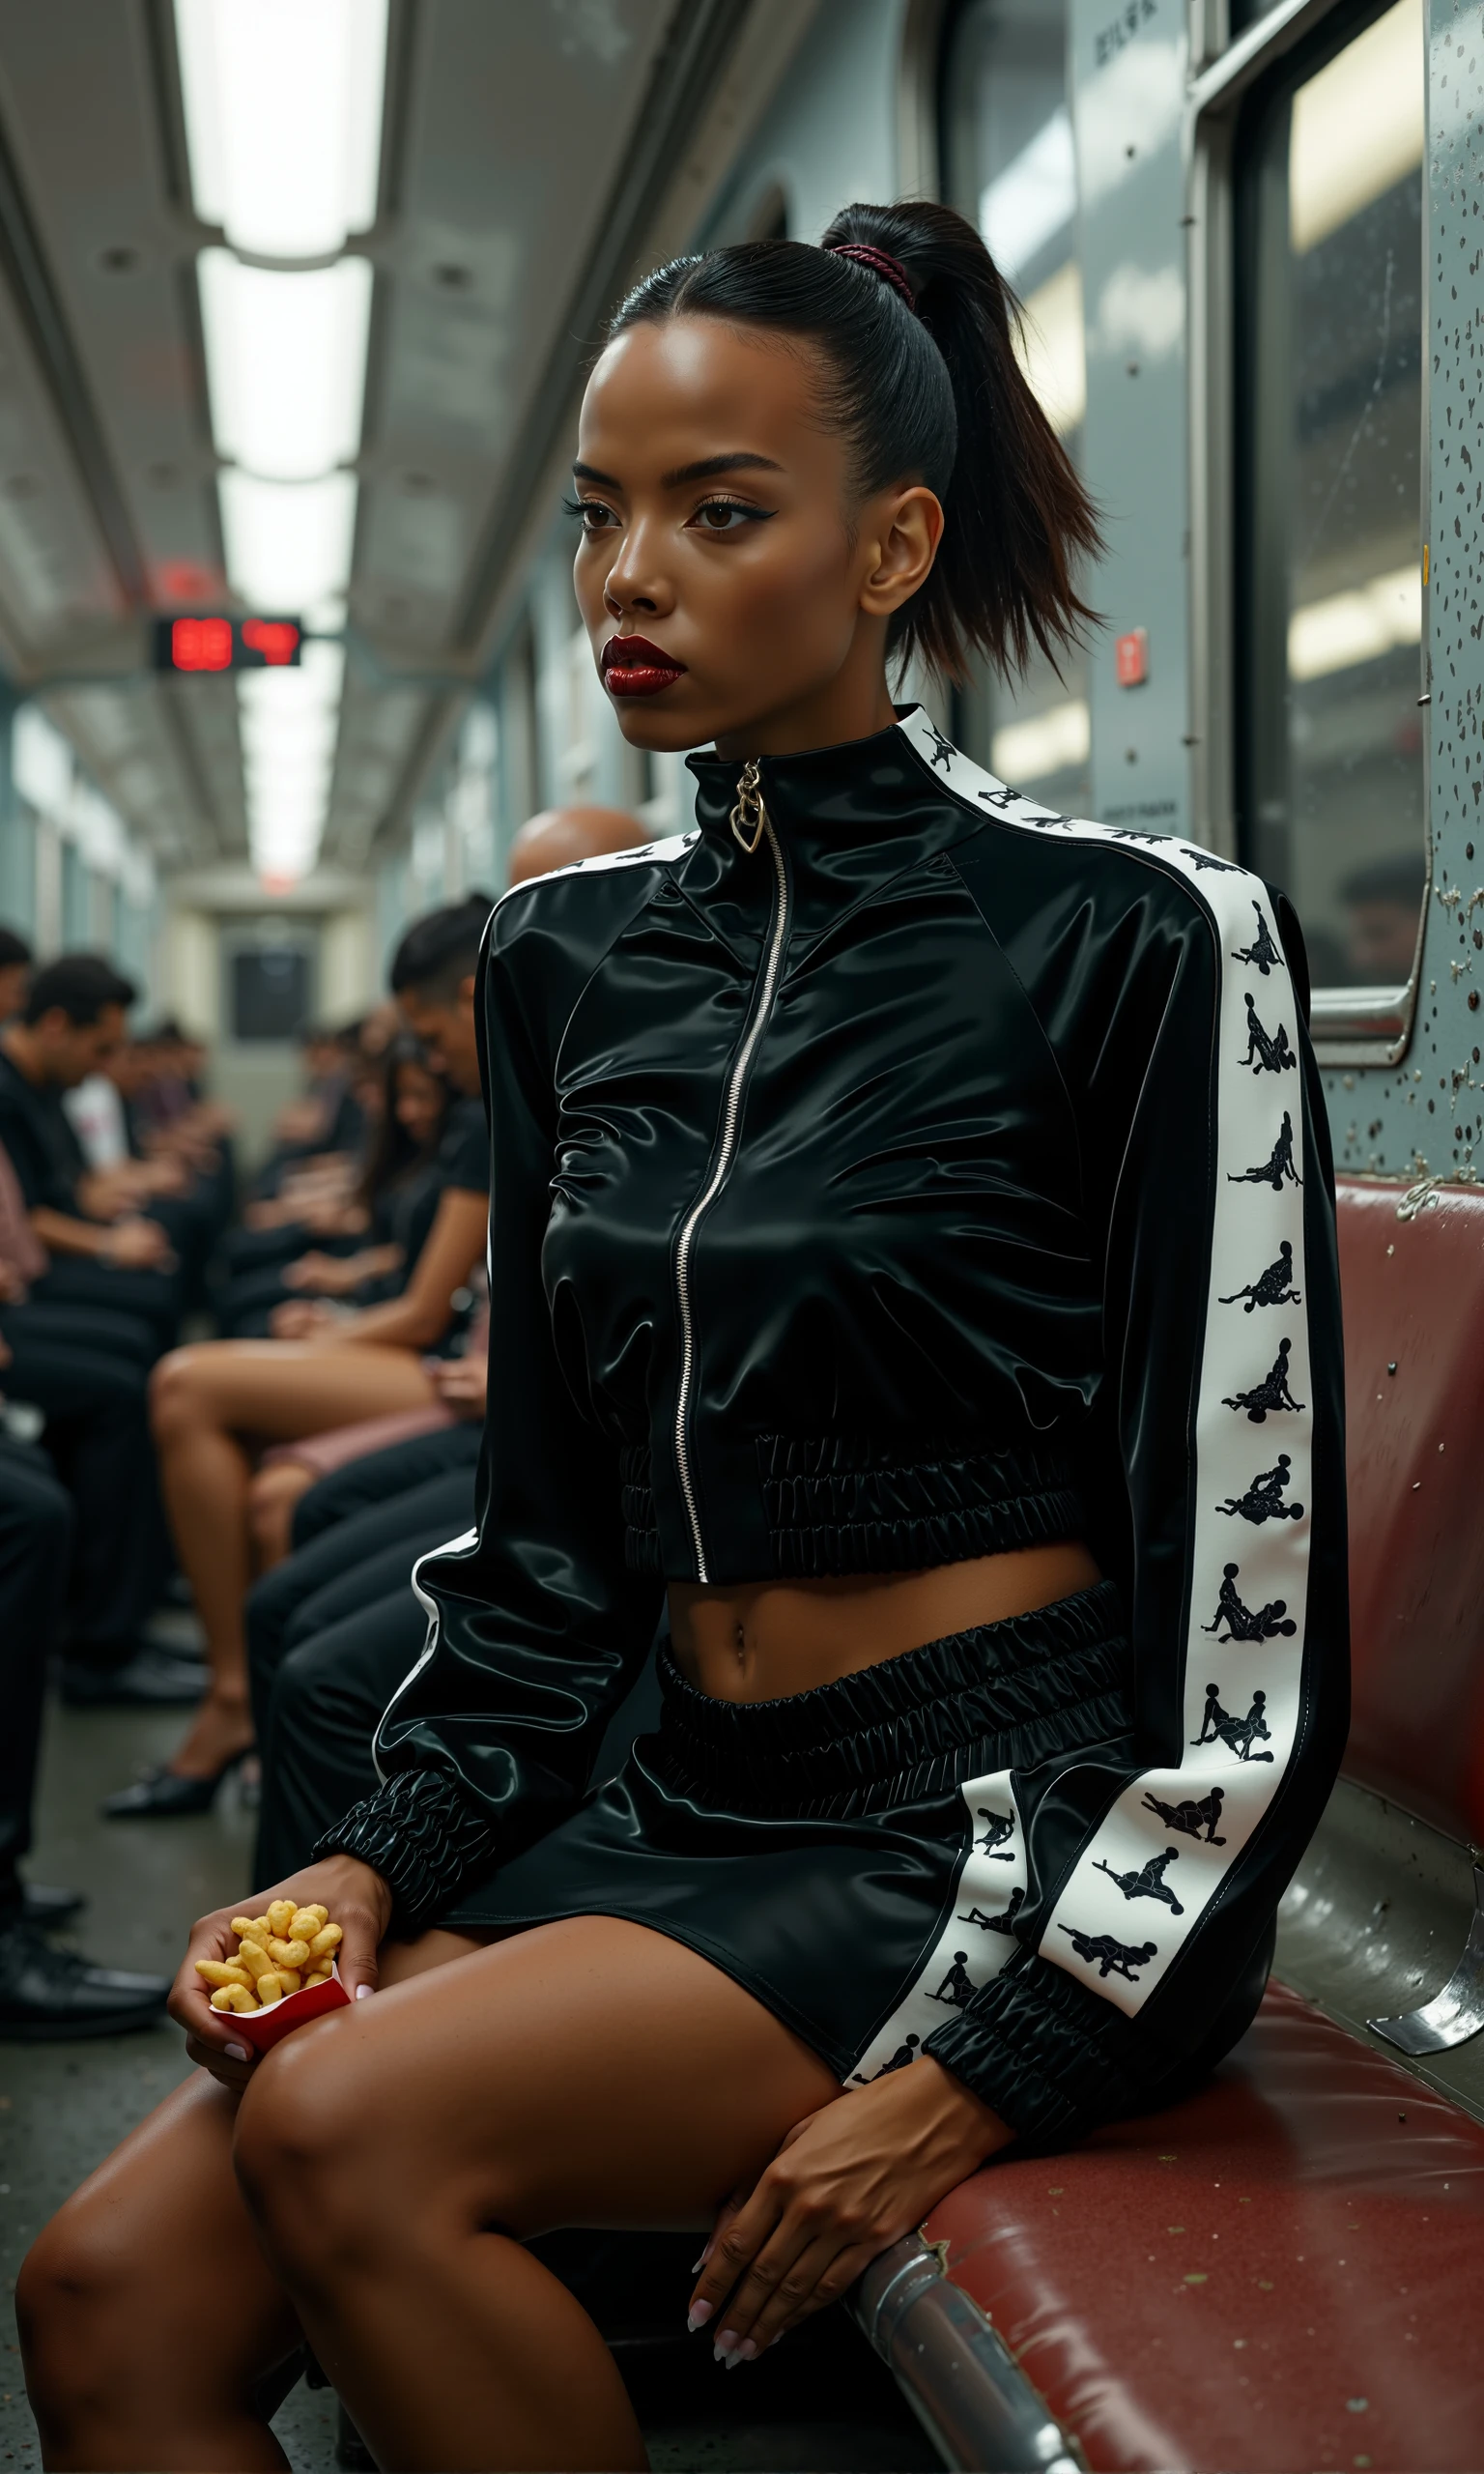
955, 2369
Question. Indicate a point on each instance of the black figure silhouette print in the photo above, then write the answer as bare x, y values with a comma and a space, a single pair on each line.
1016, 1172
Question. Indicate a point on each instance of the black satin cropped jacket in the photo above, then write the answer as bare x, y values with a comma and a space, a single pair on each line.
942, 1176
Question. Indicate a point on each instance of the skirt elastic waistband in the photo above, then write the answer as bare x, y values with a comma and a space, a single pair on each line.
1003, 1695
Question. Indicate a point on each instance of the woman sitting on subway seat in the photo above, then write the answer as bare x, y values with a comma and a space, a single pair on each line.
875, 1167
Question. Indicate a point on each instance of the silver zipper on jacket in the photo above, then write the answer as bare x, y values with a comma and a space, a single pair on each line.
752, 813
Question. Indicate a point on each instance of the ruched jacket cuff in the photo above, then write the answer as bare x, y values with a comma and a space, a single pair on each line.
423, 1835
1044, 2054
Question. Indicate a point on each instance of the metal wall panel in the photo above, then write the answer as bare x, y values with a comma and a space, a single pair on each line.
1128, 81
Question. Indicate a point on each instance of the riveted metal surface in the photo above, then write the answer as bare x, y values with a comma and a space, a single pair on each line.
1425, 1117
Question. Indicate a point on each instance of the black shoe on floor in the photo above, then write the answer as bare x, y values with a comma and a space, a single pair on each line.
49, 1995
151, 1680
163, 1795
45, 1907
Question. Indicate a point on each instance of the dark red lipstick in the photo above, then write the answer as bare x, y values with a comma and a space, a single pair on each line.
632, 666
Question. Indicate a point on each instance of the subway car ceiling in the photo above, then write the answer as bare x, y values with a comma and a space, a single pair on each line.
1246, 237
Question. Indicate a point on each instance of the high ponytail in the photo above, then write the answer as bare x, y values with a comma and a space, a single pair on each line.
925, 386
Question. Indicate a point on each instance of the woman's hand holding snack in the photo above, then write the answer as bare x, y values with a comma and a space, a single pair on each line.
226, 1965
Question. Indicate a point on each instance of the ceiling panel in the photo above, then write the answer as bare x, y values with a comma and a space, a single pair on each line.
83, 91
516, 123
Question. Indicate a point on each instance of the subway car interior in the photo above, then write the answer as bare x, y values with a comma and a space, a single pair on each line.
298, 302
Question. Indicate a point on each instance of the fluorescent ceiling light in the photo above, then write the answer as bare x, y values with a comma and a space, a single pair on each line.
1051, 348
286, 357
283, 118
1358, 126
288, 542
1348, 628
41, 763
283, 121
1047, 743
1033, 199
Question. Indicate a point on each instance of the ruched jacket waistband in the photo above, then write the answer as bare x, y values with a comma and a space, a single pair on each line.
848, 1503
1003, 1695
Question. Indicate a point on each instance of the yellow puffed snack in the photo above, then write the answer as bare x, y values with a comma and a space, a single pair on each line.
281, 1914
233, 1996
255, 1959
328, 1938
290, 1979
270, 1989
218, 1972
307, 1922
288, 1954
320, 1974
251, 1928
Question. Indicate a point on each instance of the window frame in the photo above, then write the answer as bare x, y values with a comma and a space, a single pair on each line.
1351, 1027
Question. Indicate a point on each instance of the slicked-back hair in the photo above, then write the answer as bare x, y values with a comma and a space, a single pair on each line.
930, 392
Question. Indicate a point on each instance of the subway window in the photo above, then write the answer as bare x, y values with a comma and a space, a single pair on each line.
1329, 226
1009, 165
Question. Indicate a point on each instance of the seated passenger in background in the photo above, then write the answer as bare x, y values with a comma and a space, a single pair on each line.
396, 1197
15, 959
177, 1181
106, 1252
44, 1991
213, 1405
83, 1371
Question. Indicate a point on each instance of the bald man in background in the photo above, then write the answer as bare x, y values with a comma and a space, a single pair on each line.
333, 1630
558, 836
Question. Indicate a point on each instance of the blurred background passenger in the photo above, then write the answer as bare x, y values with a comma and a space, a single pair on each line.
559, 837
396, 1200
15, 973
106, 1251
44, 1992
219, 1403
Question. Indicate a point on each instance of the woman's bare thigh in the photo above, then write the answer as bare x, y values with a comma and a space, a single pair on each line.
589, 2072
277, 1391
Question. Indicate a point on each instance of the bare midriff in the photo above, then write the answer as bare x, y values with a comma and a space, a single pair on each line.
762, 1640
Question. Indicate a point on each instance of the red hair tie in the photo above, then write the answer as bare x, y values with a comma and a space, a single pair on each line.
881, 263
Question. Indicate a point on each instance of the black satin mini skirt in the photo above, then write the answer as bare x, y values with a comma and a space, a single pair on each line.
853, 1856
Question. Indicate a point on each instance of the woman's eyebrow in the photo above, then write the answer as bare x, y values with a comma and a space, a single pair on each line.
590, 473
706, 469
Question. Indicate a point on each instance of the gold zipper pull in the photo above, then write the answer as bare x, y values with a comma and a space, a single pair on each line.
749, 814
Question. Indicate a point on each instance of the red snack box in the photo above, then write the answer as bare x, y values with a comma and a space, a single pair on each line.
263, 2028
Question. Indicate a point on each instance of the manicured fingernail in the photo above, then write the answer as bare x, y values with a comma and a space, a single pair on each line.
238, 2053
361, 1991
697, 2264
747, 2352
700, 2313
726, 2344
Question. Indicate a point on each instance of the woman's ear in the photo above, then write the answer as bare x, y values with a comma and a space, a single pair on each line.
902, 544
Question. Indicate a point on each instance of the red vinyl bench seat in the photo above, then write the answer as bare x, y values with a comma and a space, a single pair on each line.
1286, 2270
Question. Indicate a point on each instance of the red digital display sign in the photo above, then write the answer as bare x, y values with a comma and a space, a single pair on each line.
205, 642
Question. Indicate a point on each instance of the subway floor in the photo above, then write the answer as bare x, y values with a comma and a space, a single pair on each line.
820, 2402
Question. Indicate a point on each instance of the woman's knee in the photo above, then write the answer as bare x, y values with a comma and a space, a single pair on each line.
177, 1393
73, 2314
340, 2169
305, 2157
